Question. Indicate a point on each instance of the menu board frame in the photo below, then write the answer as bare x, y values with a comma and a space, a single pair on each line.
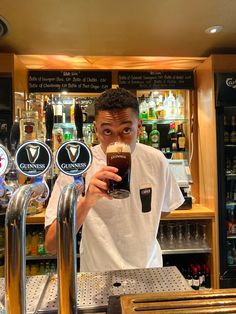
71, 81
150, 80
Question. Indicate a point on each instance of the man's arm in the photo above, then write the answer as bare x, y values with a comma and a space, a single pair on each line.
164, 214
82, 209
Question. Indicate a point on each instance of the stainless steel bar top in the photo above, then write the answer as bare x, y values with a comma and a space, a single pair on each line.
35, 287
95, 288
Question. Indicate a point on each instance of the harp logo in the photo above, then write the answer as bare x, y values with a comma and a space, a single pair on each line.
73, 158
33, 158
32, 152
73, 151
231, 82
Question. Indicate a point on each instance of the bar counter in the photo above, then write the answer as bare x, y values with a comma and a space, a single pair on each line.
196, 212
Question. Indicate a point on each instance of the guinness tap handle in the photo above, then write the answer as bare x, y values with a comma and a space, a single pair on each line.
78, 122
49, 121
15, 135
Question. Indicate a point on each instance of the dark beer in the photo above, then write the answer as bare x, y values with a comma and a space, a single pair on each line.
119, 156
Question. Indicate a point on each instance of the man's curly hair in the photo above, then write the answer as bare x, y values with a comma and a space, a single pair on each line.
115, 99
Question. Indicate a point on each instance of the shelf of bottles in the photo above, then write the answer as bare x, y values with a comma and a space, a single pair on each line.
165, 112
164, 115
63, 107
230, 184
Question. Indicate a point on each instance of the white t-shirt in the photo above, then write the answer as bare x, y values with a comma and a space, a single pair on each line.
118, 234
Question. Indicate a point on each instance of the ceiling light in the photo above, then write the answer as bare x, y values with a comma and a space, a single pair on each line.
214, 29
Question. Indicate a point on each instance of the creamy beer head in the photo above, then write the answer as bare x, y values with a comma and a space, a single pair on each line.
119, 156
118, 147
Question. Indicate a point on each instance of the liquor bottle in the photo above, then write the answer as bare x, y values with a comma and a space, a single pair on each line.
233, 131
189, 277
181, 139
172, 136
151, 107
57, 106
143, 137
196, 281
226, 131
179, 108
72, 111
57, 137
41, 248
28, 123
154, 137
199, 270
143, 108
207, 277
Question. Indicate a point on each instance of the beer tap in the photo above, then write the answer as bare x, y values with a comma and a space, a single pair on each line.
73, 158
33, 159
12, 176
78, 121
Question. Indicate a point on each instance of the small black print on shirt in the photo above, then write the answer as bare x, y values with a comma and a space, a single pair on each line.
146, 198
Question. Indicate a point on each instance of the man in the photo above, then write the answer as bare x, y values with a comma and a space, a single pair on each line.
119, 233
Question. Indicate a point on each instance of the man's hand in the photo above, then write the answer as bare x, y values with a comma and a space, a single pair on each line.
98, 185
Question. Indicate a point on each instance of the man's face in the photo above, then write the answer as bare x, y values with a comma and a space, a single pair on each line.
119, 125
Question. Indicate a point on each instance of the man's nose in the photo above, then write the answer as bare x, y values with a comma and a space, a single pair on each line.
118, 138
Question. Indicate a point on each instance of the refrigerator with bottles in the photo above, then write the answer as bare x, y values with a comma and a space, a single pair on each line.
225, 87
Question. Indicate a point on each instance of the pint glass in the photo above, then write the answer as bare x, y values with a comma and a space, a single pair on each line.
119, 156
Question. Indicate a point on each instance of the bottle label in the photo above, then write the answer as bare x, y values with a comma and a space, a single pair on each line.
226, 136
181, 141
233, 137
233, 228
28, 127
41, 250
57, 110
72, 117
154, 138
196, 282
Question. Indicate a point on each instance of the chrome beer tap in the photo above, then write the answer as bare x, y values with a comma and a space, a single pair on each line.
73, 158
33, 159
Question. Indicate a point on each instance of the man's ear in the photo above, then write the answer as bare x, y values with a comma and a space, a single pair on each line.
95, 126
139, 126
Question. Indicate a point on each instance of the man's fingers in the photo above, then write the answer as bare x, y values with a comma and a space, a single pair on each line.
107, 175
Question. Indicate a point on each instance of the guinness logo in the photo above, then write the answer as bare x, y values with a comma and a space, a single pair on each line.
33, 158
32, 152
73, 151
73, 158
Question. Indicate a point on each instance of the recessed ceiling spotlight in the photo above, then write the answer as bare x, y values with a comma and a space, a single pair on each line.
214, 29
4, 28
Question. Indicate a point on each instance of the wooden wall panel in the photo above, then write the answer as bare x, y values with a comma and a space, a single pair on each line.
207, 136
6, 63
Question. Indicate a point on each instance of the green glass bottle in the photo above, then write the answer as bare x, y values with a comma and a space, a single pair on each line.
143, 137
154, 137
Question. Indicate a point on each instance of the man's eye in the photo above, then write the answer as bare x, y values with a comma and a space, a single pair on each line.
107, 132
127, 131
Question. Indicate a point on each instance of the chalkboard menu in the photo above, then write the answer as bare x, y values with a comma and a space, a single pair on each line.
156, 79
70, 81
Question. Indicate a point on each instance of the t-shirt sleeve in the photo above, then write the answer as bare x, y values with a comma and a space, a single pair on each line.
51, 210
173, 195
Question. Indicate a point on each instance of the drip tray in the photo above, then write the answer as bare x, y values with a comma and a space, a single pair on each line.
95, 288
35, 287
